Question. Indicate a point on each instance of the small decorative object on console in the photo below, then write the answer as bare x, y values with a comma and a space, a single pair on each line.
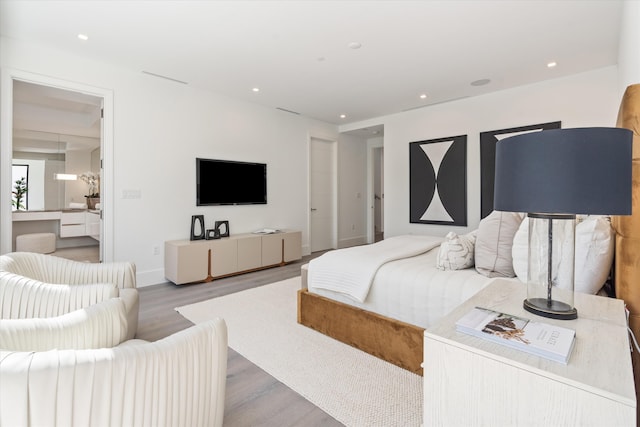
266, 231
223, 228
213, 234
197, 222
542, 339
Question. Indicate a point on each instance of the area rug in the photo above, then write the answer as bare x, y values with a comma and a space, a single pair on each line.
352, 386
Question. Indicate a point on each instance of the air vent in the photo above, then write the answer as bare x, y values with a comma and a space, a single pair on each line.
165, 77
288, 111
435, 103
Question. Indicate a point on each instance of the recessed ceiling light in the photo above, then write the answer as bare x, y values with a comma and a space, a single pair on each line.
423, 96
343, 116
256, 89
354, 45
480, 82
83, 37
551, 64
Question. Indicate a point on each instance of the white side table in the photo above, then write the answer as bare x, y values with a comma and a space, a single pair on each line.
471, 381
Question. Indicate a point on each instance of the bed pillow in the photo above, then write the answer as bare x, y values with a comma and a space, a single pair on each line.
493, 243
456, 252
594, 253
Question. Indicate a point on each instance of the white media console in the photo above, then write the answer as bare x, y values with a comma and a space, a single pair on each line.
191, 261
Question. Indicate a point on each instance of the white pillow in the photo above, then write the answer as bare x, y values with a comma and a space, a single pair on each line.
493, 244
593, 254
456, 252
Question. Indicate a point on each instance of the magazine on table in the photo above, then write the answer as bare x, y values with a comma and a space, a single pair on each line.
542, 339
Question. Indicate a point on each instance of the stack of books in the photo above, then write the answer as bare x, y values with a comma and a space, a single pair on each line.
542, 339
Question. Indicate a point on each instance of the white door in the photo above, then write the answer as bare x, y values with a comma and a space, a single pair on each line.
323, 195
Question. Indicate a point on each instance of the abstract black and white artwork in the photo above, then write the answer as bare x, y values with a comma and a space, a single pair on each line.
438, 181
488, 141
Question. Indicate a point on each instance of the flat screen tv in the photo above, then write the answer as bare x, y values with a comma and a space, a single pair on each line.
224, 182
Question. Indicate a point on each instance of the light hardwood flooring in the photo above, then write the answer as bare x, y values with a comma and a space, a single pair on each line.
253, 397
80, 253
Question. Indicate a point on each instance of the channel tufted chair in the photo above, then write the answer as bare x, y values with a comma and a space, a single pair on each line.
37, 285
66, 360
177, 381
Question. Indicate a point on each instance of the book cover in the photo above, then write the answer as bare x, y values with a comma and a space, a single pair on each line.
542, 339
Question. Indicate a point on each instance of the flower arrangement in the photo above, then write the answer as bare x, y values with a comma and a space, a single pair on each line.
93, 181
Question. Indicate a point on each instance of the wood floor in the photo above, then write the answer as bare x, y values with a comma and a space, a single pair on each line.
253, 398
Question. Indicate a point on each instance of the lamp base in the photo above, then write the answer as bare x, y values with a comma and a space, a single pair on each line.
555, 310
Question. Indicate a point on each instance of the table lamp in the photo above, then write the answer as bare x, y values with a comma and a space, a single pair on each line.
552, 175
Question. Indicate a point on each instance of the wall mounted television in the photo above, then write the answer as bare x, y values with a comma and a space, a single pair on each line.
225, 182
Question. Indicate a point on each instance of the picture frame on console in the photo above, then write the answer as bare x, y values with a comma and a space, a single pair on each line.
222, 228
197, 227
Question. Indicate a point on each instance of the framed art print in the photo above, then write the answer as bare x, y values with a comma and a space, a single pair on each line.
488, 141
438, 181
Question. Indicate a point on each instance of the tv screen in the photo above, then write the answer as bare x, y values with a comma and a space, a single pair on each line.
224, 182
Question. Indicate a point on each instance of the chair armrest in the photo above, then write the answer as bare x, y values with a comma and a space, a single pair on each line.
60, 270
101, 325
179, 380
131, 300
22, 297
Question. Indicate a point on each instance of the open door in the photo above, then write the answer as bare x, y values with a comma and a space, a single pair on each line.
62, 123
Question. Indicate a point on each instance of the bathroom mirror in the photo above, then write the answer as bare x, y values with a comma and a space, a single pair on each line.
55, 133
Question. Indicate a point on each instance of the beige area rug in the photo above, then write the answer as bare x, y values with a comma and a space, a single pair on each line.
352, 386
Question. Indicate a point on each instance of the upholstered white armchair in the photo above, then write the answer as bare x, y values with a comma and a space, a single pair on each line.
101, 325
38, 285
176, 381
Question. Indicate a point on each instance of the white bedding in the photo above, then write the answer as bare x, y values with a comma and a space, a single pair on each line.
414, 291
351, 271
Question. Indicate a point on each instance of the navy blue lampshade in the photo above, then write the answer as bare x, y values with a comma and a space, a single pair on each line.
565, 171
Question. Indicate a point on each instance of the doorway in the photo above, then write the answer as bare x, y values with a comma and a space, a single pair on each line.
323, 194
378, 194
26, 96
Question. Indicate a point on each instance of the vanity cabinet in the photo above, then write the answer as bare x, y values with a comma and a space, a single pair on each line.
93, 224
80, 223
190, 261
73, 224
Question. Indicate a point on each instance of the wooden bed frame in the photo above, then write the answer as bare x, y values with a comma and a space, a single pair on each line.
402, 344
388, 339
396, 342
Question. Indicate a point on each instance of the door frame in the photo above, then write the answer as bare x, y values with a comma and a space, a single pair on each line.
334, 213
6, 153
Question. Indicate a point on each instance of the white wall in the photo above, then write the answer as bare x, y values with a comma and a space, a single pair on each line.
160, 127
628, 57
352, 191
587, 99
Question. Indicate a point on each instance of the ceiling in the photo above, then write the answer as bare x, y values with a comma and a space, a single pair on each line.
324, 59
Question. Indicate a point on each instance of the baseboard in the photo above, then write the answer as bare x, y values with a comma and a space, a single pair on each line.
150, 277
352, 241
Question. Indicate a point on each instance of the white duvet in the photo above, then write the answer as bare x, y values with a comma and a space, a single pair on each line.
413, 290
350, 271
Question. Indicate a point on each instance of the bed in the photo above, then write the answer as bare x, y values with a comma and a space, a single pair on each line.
409, 293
